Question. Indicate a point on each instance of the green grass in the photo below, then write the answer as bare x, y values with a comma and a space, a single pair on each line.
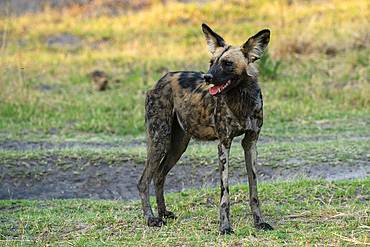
303, 213
45, 85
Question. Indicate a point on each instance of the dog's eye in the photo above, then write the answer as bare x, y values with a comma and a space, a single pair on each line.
228, 63
211, 62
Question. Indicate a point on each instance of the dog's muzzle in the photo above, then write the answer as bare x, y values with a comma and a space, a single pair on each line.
208, 78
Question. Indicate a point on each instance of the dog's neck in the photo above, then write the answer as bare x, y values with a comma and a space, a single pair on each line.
245, 99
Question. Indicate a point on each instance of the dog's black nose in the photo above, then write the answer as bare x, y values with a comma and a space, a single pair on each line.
208, 78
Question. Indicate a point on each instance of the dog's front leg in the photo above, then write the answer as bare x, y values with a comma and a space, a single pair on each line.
250, 152
223, 162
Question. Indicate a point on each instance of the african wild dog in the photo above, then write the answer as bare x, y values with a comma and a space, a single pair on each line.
223, 103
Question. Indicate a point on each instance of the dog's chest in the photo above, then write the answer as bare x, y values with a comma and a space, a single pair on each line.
243, 111
237, 125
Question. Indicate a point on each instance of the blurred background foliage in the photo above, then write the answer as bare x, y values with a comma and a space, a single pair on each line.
316, 67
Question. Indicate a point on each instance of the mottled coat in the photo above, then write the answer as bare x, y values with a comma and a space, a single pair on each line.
223, 103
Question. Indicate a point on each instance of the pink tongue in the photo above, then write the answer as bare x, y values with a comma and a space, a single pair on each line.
213, 90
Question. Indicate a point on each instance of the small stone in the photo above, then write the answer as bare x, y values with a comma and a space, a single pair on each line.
330, 50
100, 80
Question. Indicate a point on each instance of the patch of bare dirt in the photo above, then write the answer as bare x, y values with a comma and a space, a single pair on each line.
53, 176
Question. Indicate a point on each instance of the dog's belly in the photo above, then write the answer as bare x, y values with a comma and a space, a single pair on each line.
204, 134
200, 124
197, 125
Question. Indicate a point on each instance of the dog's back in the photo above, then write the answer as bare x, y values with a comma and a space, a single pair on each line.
183, 97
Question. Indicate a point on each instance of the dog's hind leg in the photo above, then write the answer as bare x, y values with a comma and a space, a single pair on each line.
155, 155
250, 152
179, 143
158, 119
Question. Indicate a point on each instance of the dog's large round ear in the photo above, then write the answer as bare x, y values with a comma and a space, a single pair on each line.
256, 45
213, 39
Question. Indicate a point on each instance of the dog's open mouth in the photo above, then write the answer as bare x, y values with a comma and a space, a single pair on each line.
215, 89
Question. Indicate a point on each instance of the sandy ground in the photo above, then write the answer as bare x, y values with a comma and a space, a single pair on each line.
45, 178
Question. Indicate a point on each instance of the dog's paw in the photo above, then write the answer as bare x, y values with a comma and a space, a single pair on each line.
264, 226
156, 222
169, 215
227, 230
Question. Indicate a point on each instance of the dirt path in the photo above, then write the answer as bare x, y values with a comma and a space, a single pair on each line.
52, 176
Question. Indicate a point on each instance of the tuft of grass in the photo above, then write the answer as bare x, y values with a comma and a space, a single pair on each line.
268, 68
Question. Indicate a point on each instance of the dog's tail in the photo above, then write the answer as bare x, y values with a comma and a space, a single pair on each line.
159, 113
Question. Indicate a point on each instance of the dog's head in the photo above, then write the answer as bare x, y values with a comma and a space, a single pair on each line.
229, 63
